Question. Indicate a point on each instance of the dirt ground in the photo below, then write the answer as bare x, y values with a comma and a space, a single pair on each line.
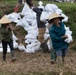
37, 62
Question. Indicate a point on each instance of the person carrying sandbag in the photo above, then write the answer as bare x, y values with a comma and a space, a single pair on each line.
6, 37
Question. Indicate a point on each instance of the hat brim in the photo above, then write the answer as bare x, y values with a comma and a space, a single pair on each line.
51, 20
54, 16
4, 20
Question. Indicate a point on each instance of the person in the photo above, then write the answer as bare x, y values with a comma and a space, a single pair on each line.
57, 34
41, 28
29, 2
52, 51
6, 37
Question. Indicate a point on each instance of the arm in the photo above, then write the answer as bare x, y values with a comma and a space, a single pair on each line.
11, 27
54, 37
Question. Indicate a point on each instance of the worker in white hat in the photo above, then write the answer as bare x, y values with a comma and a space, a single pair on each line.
6, 37
57, 34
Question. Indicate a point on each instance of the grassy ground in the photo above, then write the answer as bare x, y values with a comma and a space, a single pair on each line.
37, 63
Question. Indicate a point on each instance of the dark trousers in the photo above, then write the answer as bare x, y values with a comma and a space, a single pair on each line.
4, 45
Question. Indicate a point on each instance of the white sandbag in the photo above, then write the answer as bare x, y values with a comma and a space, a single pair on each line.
23, 23
15, 44
30, 50
26, 9
0, 45
49, 43
47, 31
21, 47
1, 49
8, 50
29, 18
34, 46
69, 34
30, 40
33, 32
29, 46
14, 37
14, 17
46, 36
51, 7
32, 28
30, 36
45, 13
58, 11
65, 18
34, 23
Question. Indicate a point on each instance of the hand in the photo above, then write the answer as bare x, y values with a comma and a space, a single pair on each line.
65, 36
11, 27
16, 9
7, 27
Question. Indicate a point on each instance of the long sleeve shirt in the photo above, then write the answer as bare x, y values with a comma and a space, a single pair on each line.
6, 34
56, 34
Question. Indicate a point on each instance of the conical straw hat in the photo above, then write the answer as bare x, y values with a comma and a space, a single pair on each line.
53, 16
4, 20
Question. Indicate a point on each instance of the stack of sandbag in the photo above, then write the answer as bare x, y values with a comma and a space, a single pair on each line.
32, 43
32, 47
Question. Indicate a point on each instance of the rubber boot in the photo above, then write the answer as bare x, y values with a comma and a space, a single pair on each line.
60, 65
12, 56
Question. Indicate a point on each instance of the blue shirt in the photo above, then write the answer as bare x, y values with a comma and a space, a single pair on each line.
56, 34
